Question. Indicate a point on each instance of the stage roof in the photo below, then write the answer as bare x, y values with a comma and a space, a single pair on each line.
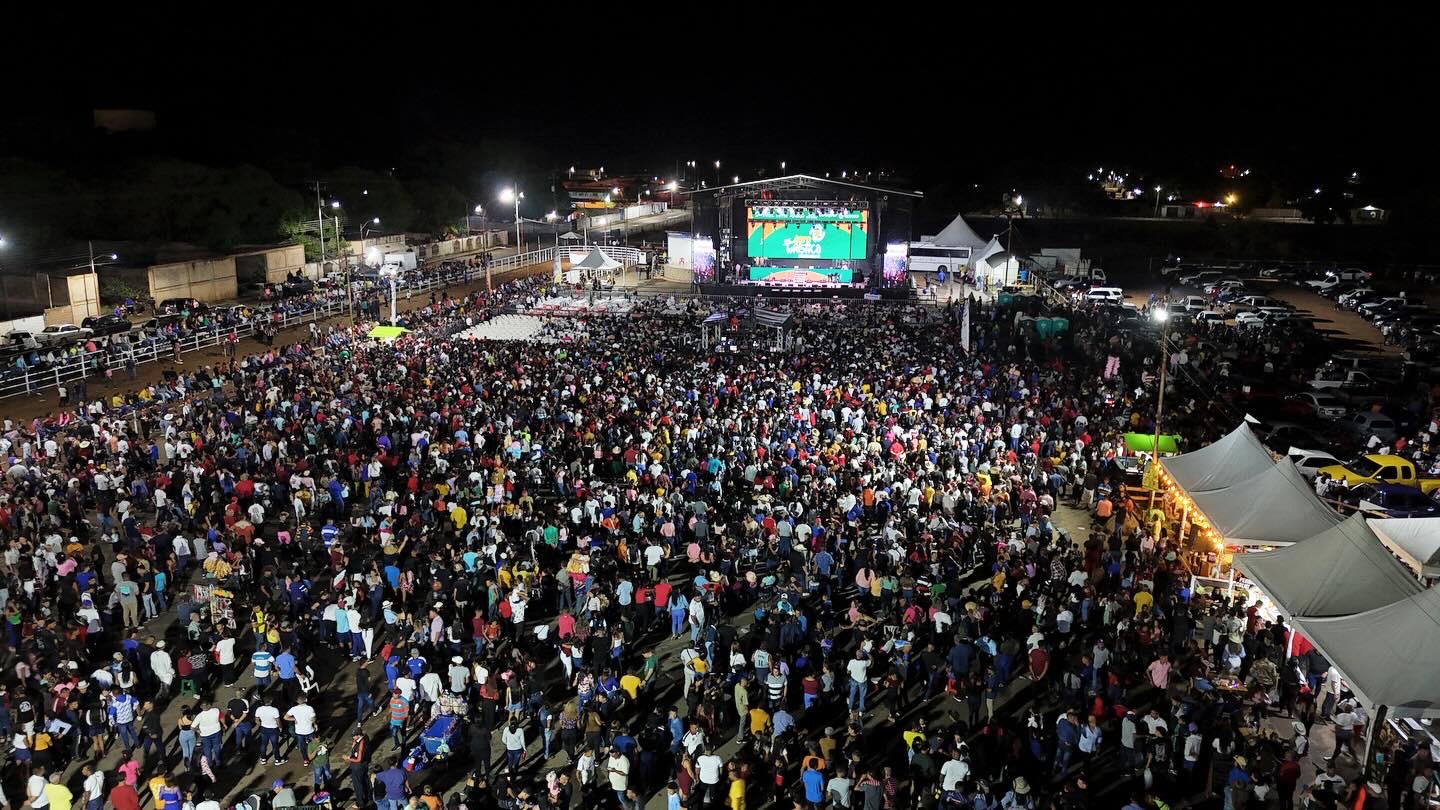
799, 181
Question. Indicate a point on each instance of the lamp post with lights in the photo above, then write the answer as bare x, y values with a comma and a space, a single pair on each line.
1157, 201
1160, 315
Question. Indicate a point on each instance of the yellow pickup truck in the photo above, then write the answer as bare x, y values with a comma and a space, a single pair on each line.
1381, 469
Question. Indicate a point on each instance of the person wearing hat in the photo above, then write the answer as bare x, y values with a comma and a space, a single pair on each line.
1018, 796
281, 796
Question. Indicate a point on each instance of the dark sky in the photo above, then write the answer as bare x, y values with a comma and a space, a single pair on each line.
936, 93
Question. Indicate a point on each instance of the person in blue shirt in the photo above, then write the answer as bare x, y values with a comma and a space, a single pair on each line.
677, 730
285, 668
392, 672
814, 782
416, 664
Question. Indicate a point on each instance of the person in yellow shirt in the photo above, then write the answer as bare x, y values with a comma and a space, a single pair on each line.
630, 683
1143, 600
57, 794
458, 516
759, 721
737, 788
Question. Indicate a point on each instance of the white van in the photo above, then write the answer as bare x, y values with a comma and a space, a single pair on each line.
1105, 295
1191, 303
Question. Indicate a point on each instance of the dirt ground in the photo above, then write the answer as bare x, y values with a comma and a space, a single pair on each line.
26, 408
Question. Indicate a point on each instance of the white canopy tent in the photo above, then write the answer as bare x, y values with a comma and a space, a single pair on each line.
1277, 507
957, 234
1389, 655
996, 263
1236, 457
1339, 572
595, 265
1416, 541
596, 260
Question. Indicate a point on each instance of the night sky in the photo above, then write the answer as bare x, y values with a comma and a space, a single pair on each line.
944, 98
655, 90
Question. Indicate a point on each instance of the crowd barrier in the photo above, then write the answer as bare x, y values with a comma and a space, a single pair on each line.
80, 365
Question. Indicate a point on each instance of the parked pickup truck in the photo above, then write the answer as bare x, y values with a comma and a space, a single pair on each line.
1346, 378
1378, 469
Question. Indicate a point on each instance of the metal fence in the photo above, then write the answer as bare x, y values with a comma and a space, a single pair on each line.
79, 365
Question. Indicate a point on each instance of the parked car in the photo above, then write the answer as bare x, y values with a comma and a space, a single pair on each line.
1190, 303
21, 341
1344, 378
1349, 274
1396, 501
1280, 436
62, 334
1374, 307
1368, 423
1209, 317
1322, 404
1201, 278
107, 324
1356, 296
1377, 468
177, 305
1280, 273
1309, 462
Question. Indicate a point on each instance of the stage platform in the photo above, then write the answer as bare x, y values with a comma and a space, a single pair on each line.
813, 290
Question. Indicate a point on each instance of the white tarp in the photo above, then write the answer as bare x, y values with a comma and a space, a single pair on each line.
1389, 655
594, 261
1275, 508
995, 263
1339, 572
1416, 541
957, 234
1236, 457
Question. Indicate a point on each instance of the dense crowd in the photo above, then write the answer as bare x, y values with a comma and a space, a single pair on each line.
622, 569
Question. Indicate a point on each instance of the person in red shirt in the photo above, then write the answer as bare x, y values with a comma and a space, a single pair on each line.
124, 797
1287, 776
1039, 664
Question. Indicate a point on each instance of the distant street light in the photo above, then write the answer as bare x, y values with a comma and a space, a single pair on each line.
1160, 316
554, 219
1157, 201
510, 195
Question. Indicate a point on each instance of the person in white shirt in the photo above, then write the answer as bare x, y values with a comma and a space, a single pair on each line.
163, 668
859, 670
267, 719
406, 685
956, 771
225, 657
302, 715
209, 726
92, 792
430, 687
513, 736
711, 767
617, 768
35, 789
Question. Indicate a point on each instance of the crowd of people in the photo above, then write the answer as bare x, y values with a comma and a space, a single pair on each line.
621, 569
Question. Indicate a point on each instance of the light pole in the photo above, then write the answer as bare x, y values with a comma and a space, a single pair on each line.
671, 187
510, 195
717, 172
1160, 316
349, 270
479, 212
1157, 201
554, 219
320, 213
